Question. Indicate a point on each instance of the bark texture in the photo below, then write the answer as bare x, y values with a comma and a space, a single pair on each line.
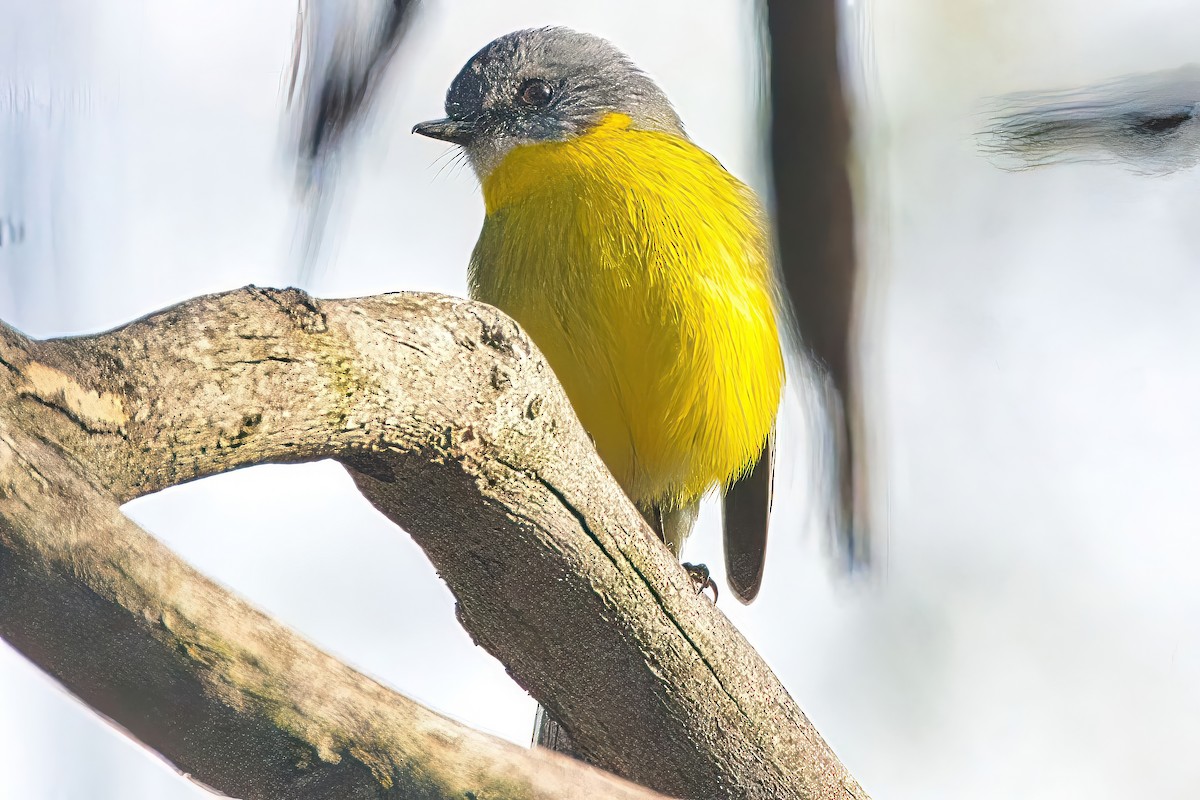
451, 423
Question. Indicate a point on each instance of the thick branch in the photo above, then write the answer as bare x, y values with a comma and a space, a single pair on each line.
222, 691
454, 427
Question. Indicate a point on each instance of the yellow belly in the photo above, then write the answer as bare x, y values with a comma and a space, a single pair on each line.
641, 269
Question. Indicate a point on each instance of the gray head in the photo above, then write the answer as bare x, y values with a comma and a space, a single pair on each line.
544, 84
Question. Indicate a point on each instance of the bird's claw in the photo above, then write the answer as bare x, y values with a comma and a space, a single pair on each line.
702, 578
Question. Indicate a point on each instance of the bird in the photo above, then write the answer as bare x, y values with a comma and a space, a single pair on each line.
639, 266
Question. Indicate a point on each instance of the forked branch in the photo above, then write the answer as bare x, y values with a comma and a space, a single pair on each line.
452, 425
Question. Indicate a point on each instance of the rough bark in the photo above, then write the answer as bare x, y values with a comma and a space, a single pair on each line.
228, 696
453, 426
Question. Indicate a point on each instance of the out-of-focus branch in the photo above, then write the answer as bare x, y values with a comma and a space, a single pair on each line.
452, 425
810, 147
1149, 123
341, 57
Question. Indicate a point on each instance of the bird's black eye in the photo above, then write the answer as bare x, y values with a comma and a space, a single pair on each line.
535, 92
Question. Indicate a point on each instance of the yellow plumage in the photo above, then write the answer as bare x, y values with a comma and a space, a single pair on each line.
641, 269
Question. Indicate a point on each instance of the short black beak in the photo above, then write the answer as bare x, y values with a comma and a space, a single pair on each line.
448, 130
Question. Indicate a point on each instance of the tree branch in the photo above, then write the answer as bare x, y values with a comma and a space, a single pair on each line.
224, 693
810, 163
453, 426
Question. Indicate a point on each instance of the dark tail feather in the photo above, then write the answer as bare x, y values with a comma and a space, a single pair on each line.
747, 508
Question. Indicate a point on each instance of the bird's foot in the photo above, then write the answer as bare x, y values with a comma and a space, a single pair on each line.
702, 578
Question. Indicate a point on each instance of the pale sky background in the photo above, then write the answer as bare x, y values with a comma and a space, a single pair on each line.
1035, 629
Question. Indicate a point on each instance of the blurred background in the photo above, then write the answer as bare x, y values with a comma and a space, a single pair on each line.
1032, 628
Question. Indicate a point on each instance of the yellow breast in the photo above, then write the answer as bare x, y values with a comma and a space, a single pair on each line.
641, 269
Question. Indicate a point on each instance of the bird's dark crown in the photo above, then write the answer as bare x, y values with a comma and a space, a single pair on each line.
545, 84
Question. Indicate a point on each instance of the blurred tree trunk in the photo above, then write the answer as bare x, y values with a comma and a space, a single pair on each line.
814, 213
